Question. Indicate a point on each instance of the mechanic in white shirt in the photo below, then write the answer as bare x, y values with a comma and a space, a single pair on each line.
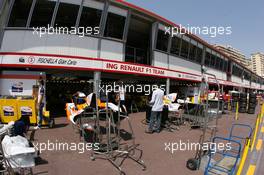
156, 111
122, 98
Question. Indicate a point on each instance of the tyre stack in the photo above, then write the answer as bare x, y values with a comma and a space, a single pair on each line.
242, 103
252, 103
235, 99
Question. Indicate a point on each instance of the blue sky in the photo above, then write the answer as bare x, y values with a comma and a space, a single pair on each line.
245, 17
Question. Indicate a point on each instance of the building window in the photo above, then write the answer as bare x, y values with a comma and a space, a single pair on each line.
114, 26
162, 41
19, 13
221, 64
199, 55
90, 17
193, 49
207, 58
42, 13
247, 76
213, 60
237, 71
184, 48
217, 63
175, 45
66, 15
136, 55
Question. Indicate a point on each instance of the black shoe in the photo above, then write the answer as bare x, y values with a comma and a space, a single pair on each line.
157, 131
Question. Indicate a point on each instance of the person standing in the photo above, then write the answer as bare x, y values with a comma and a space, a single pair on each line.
203, 90
156, 111
122, 98
40, 104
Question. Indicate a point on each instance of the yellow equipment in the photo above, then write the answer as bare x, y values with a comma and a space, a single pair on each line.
46, 118
27, 107
8, 111
14, 109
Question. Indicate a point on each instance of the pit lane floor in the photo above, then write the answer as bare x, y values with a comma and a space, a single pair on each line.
158, 160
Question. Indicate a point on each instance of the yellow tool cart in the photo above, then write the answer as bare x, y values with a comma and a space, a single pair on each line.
8, 106
27, 107
12, 109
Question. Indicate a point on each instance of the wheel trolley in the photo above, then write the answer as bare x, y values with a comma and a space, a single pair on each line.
225, 161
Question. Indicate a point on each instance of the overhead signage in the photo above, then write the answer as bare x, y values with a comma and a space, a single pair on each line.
95, 64
47, 60
103, 65
134, 68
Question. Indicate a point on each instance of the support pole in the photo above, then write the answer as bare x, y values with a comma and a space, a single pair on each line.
96, 84
237, 110
167, 86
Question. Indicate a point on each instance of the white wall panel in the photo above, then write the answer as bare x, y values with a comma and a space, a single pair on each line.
93, 4
236, 79
160, 60
111, 50
224, 76
13, 40
58, 44
219, 75
246, 82
78, 2
6, 86
34, 43
117, 10
179, 64
84, 46
26, 85
62, 44
253, 85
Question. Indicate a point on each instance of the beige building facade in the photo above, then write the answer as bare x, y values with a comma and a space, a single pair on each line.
258, 63
235, 54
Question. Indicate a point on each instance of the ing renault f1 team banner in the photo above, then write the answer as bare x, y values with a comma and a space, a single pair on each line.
67, 62
94, 64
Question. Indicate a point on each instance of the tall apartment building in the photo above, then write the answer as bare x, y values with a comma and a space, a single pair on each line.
258, 63
249, 64
235, 54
